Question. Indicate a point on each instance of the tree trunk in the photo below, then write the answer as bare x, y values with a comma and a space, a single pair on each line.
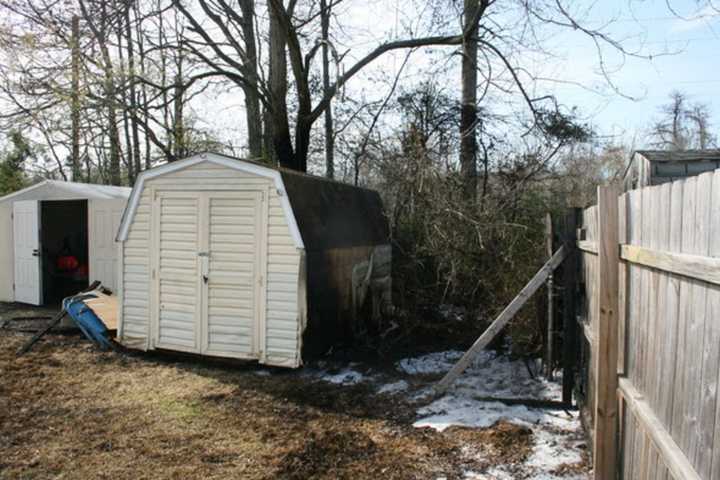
143, 89
128, 157
252, 100
277, 78
162, 48
75, 100
468, 112
179, 135
329, 138
133, 93
302, 143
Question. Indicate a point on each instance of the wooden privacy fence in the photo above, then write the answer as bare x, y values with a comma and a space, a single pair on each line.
650, 270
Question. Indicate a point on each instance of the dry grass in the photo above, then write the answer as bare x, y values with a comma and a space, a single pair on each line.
68, 410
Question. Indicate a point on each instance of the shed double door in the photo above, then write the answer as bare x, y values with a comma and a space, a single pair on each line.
210, 267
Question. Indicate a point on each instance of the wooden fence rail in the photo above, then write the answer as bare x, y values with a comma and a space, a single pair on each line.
650, 271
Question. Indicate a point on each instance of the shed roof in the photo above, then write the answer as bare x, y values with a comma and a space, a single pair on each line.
321, 213
333, 214
61, 190
711, 154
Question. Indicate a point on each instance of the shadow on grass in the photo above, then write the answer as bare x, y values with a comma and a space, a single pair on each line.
309, 395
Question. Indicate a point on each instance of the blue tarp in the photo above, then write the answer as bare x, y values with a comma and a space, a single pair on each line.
93, 328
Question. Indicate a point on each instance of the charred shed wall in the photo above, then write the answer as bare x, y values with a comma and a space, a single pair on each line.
348, 259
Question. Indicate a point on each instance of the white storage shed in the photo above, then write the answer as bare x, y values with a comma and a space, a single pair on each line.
54, 219
230, 258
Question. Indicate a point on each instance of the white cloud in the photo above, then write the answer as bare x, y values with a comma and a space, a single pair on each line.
702, 18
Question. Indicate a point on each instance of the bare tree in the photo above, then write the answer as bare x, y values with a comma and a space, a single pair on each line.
325, 10
682, 125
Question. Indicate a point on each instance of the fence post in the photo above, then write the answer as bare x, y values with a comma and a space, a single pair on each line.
570, 293
550, 354
605, 448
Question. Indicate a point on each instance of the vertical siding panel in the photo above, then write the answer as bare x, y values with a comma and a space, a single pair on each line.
700, 327
696, 331
665, 353
135, 277
710, 395
680, 419
673, 295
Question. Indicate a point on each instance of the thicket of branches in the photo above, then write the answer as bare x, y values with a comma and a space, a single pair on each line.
466, 154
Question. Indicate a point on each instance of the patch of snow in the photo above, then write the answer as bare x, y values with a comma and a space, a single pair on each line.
262, 373
437, 362
489, 375
346, 376
468, 412
551, 450
555, 433
557, 436
392, 388
490, 474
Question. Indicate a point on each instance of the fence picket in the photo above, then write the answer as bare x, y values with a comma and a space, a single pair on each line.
668, 327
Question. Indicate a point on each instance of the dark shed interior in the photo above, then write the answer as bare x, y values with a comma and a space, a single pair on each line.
64, 242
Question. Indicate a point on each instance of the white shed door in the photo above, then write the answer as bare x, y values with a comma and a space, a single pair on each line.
234, 277
178, 280
210, 278
26, 233
103, 222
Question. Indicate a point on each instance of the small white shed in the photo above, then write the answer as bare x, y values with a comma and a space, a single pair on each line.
226, 257
54, 219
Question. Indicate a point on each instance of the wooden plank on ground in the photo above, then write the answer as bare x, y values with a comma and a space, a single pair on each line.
604, 451
499, 323
673, 456
33, 340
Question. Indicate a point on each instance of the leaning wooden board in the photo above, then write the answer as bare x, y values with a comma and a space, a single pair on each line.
106, 309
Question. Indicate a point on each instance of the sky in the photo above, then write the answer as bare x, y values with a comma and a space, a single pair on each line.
685, 57
676, 54
692, 67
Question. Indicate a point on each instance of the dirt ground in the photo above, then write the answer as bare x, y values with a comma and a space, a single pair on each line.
70, 411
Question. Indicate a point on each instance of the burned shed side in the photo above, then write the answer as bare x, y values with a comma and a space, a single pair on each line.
348, 258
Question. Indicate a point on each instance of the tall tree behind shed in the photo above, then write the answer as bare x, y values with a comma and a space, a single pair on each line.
75, 100
472, 11
329, 132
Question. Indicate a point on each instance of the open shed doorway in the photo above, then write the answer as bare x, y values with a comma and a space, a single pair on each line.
64, 243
